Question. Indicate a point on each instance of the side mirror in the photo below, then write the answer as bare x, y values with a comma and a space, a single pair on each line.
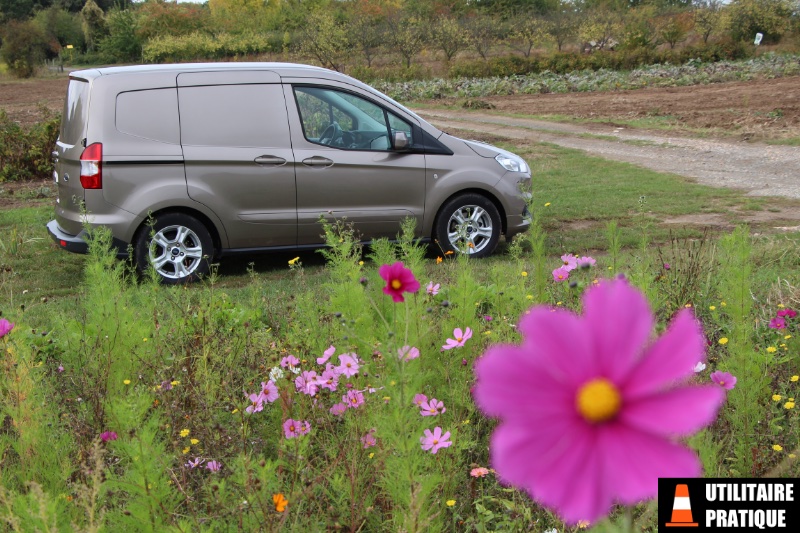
400, 140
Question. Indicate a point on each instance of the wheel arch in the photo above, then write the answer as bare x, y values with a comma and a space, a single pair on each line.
483, 192
200, 216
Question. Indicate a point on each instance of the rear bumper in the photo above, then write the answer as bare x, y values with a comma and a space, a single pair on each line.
79, 243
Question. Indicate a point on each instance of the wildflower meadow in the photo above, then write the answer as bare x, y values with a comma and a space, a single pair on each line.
401, 389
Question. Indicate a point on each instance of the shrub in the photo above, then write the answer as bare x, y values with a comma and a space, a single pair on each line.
24, 47
25, 152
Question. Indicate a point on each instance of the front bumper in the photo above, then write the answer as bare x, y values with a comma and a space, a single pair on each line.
79, 243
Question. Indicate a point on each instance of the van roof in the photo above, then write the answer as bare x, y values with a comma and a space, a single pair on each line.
283, 69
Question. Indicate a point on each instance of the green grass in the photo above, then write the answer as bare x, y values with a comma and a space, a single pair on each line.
792, 141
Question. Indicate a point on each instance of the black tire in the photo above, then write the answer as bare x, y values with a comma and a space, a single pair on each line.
178, 246
466, 219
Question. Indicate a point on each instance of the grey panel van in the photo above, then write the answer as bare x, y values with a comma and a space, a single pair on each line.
189, 162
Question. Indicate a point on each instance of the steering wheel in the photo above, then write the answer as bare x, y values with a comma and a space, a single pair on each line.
331, 134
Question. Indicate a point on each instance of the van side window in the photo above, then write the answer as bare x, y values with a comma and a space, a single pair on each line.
343, 120
233, 115
151, 114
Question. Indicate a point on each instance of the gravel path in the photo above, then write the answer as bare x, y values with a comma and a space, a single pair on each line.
760, 169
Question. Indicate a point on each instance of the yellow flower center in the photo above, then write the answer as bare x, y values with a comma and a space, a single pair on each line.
459, 339
396, 284
598, 400
436, 441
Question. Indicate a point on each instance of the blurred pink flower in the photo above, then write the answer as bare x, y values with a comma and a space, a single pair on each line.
432, 407
586, 262
348, 365
434, 441
194, 464
398, 279
295, 428
108, 435
432, 289
778, 323
5, 327
560, 274
256, 402
479, 472
569, 262
269, 390
419, 399
368, 440
326, 355
353, 399
214, 466
460, 338
307, 383
787, 313
609, 415
329, 380
723, 379
338, 409
289, 360
407, 353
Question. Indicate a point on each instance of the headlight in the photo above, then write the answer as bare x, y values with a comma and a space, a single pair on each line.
511, 163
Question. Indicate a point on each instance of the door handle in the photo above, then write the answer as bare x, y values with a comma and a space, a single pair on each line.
317, 161
270, 161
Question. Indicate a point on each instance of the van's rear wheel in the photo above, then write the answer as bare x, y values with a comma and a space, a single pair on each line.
470, 224
178, 247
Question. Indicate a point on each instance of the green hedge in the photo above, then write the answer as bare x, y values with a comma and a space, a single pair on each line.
202, 46
25, 151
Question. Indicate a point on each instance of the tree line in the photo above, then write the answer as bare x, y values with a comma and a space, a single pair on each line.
358, 34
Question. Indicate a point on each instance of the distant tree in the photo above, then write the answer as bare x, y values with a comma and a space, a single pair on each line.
60, 28
94, 24
368, 35
562, 23
448, 35
326, 39
122, 44
675, 28
159, 18
602, 27
405, 35
640, 29
707, 17
24, 47
529, 31
483, 33
745, 18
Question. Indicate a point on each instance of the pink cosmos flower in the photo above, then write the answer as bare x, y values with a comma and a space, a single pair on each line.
307, 383
329, 380
609, 415
432, 289
338, 409
569, 262
256, 402
407, 353
724, 380
353, 398
560, 274
783, 313
326, 355
479, 472
270, 391
289, 360
777, 323
194, 464
5, 327
295, 428
399, 279
487, 318
434, 441
460, 338
586, 262
432, 407
108, 435
348, 365
368, 440
419, 399
214, 466
60, 368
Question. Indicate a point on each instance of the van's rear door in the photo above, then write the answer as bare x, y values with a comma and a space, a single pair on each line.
68, 150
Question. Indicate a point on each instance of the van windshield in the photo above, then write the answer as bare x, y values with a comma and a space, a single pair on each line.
75, 112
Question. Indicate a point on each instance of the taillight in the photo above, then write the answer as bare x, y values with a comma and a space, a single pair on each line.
92, 166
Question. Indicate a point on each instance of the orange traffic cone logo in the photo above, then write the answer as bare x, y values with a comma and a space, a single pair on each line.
682, 508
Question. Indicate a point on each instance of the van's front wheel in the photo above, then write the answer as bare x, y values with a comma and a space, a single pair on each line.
178, 247
470, 224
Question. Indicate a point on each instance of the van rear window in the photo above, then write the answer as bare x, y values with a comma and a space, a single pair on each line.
76, 109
